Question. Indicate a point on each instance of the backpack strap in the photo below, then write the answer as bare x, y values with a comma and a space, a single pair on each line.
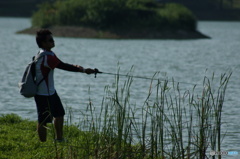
38, 56
41, 54
41, 81
35, 58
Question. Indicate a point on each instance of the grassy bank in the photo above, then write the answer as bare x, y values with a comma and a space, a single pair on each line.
19, 140
171, 123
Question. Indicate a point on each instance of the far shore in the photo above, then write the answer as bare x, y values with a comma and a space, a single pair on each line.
82, 32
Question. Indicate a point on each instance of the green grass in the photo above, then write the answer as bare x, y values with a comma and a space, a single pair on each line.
19, 140
171, 123
18, 137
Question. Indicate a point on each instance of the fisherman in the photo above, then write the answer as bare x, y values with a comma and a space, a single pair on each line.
49, 105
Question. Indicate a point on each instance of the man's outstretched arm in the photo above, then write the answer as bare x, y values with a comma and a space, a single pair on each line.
75, 68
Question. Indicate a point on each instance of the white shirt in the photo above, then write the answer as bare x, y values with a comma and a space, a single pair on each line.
45, 66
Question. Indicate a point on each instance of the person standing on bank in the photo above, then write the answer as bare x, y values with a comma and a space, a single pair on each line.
49, 105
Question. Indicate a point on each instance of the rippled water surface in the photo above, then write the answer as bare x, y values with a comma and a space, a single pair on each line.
187, 61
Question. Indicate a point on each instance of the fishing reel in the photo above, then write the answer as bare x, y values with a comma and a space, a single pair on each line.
96, 72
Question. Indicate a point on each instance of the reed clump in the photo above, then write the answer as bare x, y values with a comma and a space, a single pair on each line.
171, 123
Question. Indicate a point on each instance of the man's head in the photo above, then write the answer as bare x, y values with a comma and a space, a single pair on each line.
44, 39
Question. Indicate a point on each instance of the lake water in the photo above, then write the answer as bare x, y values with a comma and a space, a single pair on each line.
184, 60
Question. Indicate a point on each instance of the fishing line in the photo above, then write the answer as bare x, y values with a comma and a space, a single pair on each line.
140, 77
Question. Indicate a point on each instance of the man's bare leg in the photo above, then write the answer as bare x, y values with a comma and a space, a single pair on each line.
42, 132
58, 124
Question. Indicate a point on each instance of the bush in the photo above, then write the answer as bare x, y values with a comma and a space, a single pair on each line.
70, 13
45, 16
10, 119
178, 16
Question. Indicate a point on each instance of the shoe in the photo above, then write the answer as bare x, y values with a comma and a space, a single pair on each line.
61, 140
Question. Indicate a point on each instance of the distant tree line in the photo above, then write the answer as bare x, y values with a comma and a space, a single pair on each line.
19, 8
220, 4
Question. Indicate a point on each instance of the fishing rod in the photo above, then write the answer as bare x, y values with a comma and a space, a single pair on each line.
131, 76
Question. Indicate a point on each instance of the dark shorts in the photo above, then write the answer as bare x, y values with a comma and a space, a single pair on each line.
49, 107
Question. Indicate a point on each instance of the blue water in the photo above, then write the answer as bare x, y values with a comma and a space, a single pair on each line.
187, 61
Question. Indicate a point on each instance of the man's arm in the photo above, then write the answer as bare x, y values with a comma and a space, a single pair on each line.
74, 68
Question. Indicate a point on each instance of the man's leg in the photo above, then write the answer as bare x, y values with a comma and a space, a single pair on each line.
58, 124
42, 132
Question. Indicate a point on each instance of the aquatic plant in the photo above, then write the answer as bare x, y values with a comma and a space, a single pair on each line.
171, 123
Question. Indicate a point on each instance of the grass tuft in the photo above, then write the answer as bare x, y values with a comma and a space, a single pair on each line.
10, 119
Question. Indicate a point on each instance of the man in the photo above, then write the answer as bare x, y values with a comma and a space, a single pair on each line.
49, 106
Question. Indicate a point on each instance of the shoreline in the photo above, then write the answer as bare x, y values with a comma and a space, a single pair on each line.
83, 32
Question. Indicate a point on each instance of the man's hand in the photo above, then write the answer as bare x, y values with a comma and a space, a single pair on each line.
81, 69
90, 71
87, 70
